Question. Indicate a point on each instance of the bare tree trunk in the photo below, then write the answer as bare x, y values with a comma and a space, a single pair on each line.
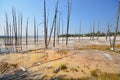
93, 33
106, 36
80, 31
6, 29
21, 29
54, 34
90, 31
45, 26
14, 25
108, 27
98, 32
54, 20
68, 20
62, 30
27, 33
34, 31
116, 28
58, 29
37, 35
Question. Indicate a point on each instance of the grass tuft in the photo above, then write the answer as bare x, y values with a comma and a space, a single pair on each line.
62, 52
63, 67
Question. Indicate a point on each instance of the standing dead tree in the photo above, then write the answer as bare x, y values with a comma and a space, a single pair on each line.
108, 31
21, 18
27, 32
98, 31
93, 32
6, 30
80, 31
15, 28
90, 31
34, 31
58, 29
45, 25
116, 28
53, 24
68, 20
37, 35
62, 29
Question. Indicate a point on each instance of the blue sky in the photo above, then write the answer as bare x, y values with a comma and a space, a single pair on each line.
88, 11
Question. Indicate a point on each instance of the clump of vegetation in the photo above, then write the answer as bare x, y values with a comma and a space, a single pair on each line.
63, 67
14, 65
94, 47
62, 52
83, 71
109, 76
74, 69
3, 65
83, 78
95, 73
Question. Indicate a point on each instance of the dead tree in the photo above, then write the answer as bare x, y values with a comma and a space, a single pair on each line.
108, 30
80, 31
54, 34
90, 31
58, 29
54, 22
34, 31
116, 28
15, 25
21, 18
68, 20
6, 30
45, 26
27, 32
37, 35
93, 32
98, 31
107, 33
62, 30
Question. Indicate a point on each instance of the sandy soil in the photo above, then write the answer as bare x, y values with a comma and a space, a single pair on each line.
79, 62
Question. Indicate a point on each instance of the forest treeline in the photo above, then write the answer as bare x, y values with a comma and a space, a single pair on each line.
102, 34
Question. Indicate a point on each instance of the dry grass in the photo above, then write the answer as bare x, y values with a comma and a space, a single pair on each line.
62, 52
4, 65
98, 75
22, 59
117, 45
94, 47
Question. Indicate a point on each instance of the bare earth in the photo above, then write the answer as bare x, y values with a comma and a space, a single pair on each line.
79, 58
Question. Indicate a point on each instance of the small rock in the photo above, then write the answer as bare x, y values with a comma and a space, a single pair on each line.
23, 69
57, 70
49, 67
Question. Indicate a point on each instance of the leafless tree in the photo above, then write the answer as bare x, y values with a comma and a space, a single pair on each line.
98, 31
80, 30
21, 18
108, 31
15, 25
27, 32
34, 31
6, 30
54, 23
68, 19
58, 29
93, 32
45, 25
62, 29
116, 28
90, 31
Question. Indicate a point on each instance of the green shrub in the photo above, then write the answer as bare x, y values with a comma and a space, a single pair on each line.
63, 67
